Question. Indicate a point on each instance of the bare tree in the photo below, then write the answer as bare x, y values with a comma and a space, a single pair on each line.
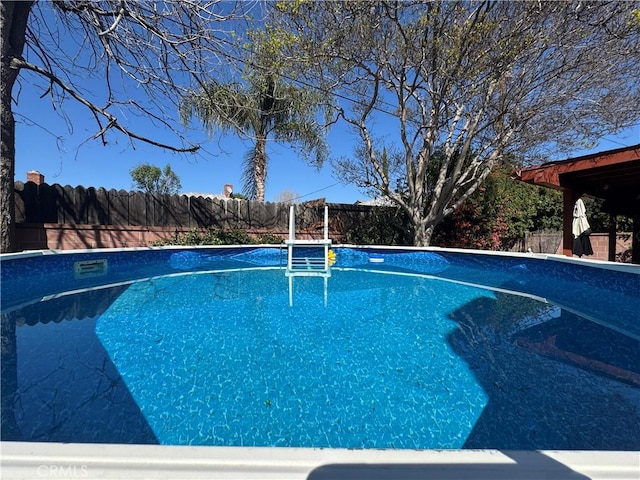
156, 49
464, 83
287, 196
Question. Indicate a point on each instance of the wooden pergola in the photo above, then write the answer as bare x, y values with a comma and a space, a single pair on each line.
613, 176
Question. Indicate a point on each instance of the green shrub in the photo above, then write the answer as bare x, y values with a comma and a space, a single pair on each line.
216, 236
384, 226
231, 237
269, 239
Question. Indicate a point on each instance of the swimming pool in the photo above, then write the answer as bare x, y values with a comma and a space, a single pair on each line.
417, 350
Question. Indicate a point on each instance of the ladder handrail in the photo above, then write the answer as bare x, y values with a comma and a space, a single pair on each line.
326, 222
292, 239
292, 223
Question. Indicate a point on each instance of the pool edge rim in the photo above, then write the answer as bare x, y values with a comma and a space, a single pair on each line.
49, 460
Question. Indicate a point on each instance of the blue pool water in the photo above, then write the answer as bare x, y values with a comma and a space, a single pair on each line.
414, 350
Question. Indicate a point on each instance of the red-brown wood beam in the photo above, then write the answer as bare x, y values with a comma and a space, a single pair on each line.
544, 176
549, 175
597, 160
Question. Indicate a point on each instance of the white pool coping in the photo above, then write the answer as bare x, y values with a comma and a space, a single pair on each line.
96, 461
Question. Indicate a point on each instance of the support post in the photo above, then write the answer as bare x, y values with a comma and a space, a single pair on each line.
613, 232
635, 242
567, 221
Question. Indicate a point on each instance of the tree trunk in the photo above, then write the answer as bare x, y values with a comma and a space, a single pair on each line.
422, 234
13, 24
260, 167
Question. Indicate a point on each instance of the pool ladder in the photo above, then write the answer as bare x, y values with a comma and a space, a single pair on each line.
311, 264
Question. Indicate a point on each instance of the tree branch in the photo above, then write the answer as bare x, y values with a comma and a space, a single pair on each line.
97, 111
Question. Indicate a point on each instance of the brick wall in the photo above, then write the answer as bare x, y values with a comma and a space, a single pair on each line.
43, 236
600, 244
551, 242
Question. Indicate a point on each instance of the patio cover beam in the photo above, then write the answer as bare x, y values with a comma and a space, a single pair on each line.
612, 175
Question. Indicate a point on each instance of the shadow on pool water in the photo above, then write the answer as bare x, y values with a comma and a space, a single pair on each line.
44, 390
541, 401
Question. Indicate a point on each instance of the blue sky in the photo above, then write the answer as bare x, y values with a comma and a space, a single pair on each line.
64, 153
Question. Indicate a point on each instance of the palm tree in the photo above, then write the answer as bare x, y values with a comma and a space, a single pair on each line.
257, 110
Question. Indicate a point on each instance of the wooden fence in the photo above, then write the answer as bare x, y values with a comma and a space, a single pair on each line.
98, 206
53, 216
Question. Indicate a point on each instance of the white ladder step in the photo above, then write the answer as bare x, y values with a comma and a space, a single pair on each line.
307, 262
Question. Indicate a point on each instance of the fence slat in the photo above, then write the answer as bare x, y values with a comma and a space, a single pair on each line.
269, 219
200, 212
158, 214
48, 199
95, 207
220, 214
19, 201
30, 203
138, 207
118, 207
178, 210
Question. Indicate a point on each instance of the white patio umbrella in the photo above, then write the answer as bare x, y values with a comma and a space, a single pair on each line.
581, 230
